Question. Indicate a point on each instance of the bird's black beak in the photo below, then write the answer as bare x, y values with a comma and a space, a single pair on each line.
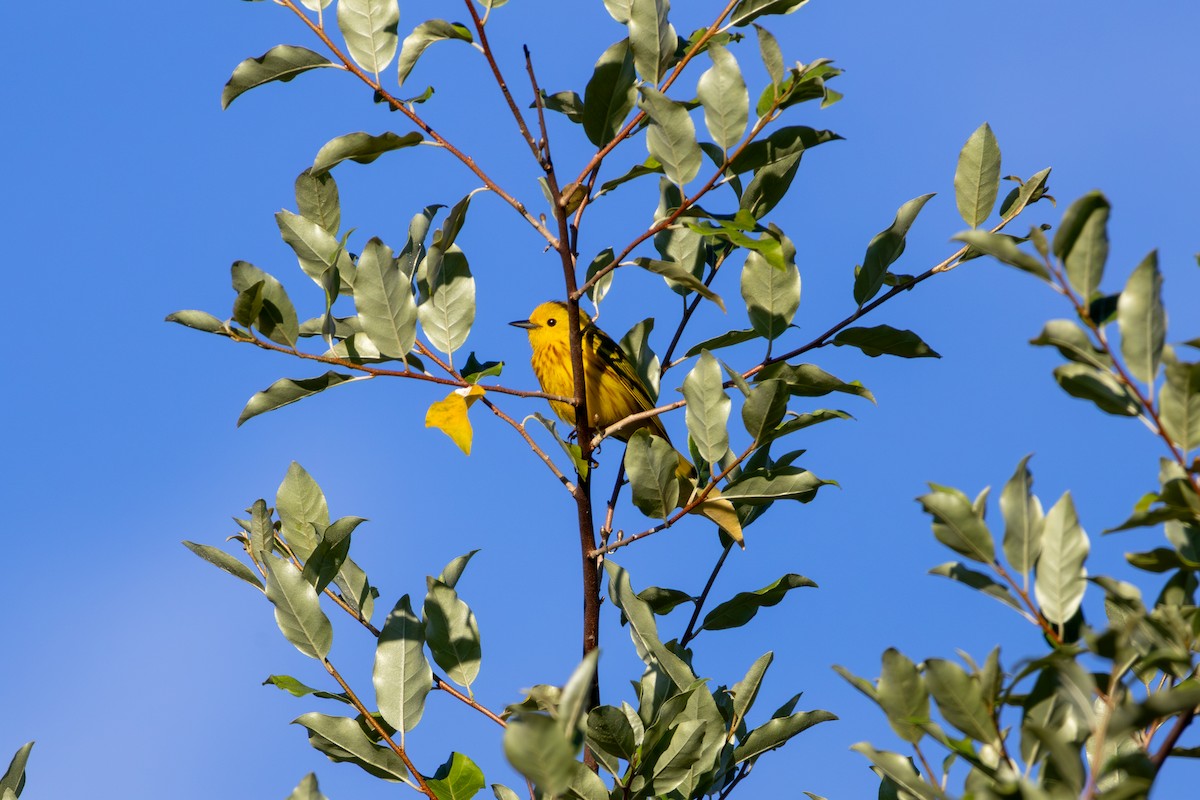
524, 323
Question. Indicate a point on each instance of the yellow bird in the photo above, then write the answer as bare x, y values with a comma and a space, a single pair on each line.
614, 389
614, 392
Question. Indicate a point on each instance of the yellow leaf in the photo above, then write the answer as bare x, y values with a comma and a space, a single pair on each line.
450, 417
720, 511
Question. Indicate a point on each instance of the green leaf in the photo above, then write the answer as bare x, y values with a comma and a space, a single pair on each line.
610, 94
448, 311
764, 409
280, 63
425, 34
678, 273
885, 340
903, 696
369, 27
537, 748
777, 732
13, 779
452, 634
1030, 191
772, 294
343, 739
809, 380
743, 606
780, 146
686, 248
745, 691
502, 792
1073, 343
200, 320
316, 248
307, 789
650, 462
297, 608
226, 562
636, 346
668, 764
402, 675
1142, 320
286, 391
446, 235
957, 524
457, 779
618, 9
573, 451
755, 487
452, 573
671, 136
643, 629
569, 104
302, 510
317, 199
609, 730
260, 530
383, 296
1004, 249
977, 178
769, 185
727, 339
1179, 403
1107, 392
796, 422
601, 287
1061, 577
1023, 519
707, 408
722, 92
772, 56
749, 10
959, 698
652, 39
898, 770
662, 600
1081, 242
361, 148
297, 689
885, 247
276, 318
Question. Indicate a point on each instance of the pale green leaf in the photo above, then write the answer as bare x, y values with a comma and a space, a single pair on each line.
369, 27
671, 135
286, 391
650, 462
452, 634
707, 408
361, 148
297, 608
1061, 577
1142, 320
280, 63
722, 92
425, 34
402, 675
977, 178
610, 94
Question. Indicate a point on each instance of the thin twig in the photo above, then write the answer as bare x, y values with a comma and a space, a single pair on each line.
374, 723
687, 508
400, 106
689, 632
508, 98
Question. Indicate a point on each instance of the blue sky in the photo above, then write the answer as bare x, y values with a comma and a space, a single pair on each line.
137, 667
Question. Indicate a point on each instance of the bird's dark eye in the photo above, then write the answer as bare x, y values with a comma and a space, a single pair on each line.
552, 322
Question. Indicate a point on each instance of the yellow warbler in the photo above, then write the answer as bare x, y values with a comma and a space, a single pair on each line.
614, 391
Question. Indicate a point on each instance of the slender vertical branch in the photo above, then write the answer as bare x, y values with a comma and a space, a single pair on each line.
481, 32
689, 633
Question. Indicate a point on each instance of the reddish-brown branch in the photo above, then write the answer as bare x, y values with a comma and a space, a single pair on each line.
508, 98
383, 734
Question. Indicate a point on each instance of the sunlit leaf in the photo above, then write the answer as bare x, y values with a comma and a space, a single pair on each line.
1081, 242
297, 608
977, 179
885, 247
671, 136
361, 148
722, 92
402, 675
425, 34
707, 409
1142, 320
650, 462
280, 63
286, 391
652, 39
1061, 577
369, 27
610, 94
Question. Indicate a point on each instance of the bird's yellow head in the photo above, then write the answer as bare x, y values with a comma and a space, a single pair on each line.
547, 325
